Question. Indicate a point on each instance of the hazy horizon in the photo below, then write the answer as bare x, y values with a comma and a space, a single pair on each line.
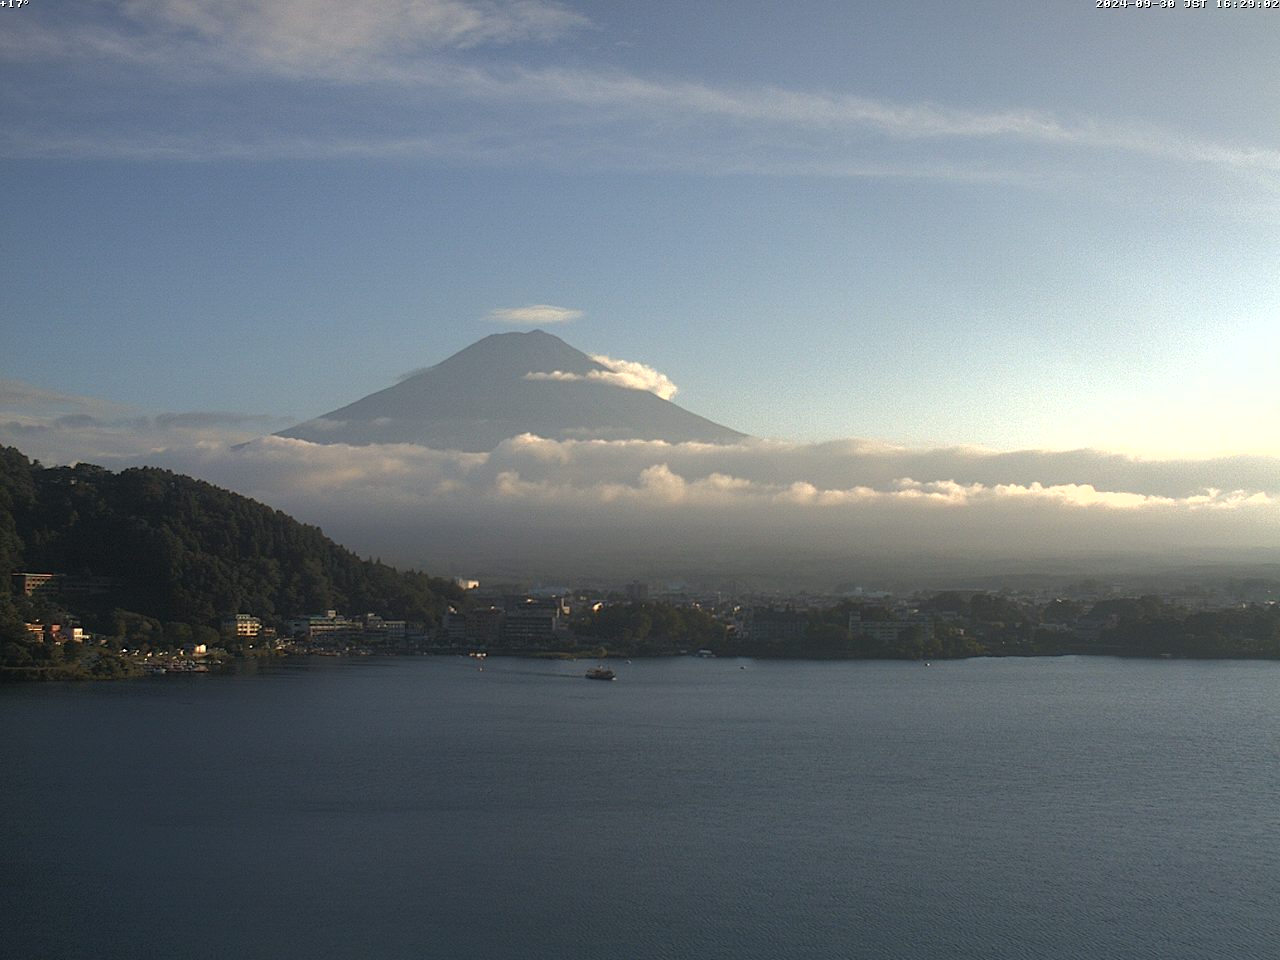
750, 510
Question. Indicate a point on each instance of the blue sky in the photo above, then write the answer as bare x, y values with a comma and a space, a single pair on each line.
998, 224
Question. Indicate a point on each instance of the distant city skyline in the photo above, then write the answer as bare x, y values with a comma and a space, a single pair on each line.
981, 224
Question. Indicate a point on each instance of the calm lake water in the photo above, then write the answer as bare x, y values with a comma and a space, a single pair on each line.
1082, 808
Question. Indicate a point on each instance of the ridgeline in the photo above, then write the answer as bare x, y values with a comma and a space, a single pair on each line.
147, 549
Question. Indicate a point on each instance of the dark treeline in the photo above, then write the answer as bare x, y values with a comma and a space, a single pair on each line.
1248, 632
180, 553
955, 625
650, 627
824, 634
949, 625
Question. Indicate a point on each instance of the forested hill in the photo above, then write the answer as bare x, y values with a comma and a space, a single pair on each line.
179, 549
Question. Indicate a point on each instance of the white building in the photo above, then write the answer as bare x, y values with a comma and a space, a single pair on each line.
242, 625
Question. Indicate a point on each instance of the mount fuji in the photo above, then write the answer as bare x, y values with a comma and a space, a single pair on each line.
505, 385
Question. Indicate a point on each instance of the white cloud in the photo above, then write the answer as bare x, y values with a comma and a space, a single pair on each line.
381, 42
634, 376
535, 313
590, 506
627, 374
758, 509
311, 35
556, 376
421, 53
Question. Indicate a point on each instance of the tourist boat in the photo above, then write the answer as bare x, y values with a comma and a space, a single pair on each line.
600, 673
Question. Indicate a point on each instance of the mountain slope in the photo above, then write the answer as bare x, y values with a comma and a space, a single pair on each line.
483, 395
180, 549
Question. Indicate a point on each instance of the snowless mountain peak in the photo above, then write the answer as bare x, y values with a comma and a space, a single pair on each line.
514, 383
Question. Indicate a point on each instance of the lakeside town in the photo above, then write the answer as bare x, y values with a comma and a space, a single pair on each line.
151, 572
1237, 618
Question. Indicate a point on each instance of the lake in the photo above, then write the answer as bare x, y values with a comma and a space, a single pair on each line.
422, 807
